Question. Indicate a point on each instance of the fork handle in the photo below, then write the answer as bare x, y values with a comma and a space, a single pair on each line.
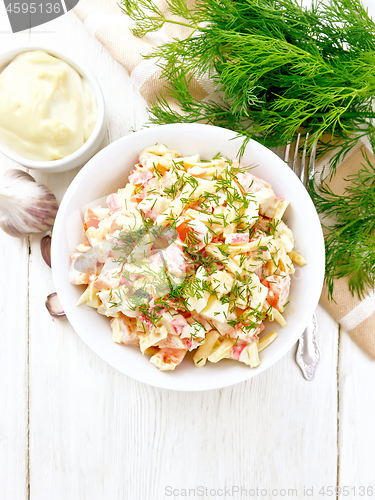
308, 353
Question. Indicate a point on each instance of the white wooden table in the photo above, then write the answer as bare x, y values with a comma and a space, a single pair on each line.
73, 428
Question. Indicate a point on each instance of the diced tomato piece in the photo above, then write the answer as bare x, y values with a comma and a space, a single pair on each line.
183, 230
91, 219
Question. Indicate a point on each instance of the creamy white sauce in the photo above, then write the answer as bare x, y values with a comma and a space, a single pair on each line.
47, 110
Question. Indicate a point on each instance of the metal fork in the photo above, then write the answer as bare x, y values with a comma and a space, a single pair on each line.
308, 353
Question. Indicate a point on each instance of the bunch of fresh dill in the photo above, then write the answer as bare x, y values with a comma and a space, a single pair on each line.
280, 67
350, 239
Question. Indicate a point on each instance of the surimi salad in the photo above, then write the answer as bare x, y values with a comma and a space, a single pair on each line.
190, 255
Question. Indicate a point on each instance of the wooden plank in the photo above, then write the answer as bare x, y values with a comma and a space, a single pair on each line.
356, 420
14, 254
14, 341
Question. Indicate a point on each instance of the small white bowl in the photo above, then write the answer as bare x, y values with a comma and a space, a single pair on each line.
107, 172
91, 146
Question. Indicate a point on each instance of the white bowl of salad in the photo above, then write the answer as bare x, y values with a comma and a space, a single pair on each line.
181, 265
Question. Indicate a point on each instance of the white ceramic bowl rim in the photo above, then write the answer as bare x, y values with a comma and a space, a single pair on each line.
307, 290
7, 57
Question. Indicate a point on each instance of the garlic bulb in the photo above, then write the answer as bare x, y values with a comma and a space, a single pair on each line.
25, 206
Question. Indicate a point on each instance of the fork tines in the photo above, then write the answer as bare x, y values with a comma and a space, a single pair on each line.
303, 175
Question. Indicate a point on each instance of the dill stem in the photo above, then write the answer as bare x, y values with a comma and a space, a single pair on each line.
179, 23
285, 113
349, 224
214, 115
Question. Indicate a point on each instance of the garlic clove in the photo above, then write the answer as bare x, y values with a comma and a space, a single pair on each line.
25, 206
54, 306
45, 247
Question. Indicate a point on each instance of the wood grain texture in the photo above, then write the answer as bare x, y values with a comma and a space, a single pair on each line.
14, 344
95, 434
356, 418
14, 416
13, 363
98, 434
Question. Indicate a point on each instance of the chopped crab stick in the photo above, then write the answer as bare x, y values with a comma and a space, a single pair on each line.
167, 359
237, 239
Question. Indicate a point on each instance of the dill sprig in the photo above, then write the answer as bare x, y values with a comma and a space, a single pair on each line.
350, 239
278, 67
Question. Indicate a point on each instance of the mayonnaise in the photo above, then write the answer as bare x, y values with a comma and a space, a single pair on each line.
47, 110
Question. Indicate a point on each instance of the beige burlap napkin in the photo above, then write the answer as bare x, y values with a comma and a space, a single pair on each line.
104, 19
355, 315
